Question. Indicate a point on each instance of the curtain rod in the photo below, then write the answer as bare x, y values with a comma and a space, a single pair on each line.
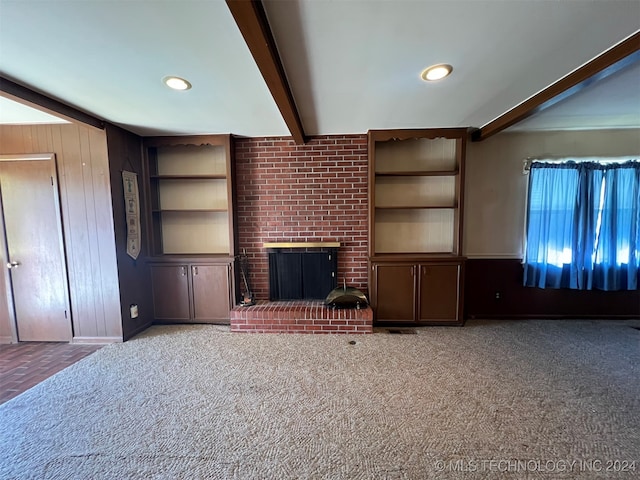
578, 158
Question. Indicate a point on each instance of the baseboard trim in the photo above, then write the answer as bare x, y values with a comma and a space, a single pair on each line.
498, 256
482, 316
494, 289
6, 339
165, 321
137, 331
97, 340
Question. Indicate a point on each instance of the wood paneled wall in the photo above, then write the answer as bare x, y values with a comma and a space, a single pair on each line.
493, 289
125, 153
83, 174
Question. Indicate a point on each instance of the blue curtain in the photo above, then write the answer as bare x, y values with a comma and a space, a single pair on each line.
583, 226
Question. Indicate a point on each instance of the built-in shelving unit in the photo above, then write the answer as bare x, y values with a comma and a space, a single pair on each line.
190, 188
190, 197
416, 192
416, 180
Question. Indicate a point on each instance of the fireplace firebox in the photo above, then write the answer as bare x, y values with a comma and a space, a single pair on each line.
296, 274
302, 275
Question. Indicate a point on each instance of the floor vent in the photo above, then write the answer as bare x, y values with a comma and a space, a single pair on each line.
402, 331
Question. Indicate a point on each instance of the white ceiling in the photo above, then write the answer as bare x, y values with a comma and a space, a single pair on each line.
613, 102
352, 65
15, 113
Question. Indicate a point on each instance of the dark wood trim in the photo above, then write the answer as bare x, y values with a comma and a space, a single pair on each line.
461, 152
417, 258
197, 140
254, 26
200, 259
9, 87
406, 134
611, 61
371, 167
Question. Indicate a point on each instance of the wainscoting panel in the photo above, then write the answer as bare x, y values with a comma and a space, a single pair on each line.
493, 289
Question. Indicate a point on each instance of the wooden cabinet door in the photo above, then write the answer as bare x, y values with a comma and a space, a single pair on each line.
395, 292
211, 300
170, 284
439, 293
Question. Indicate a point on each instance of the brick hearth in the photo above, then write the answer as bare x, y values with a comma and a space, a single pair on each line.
300, 317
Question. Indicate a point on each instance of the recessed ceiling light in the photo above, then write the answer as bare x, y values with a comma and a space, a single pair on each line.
436, 72
176, 83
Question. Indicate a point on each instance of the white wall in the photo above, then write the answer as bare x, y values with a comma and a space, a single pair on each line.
495, 191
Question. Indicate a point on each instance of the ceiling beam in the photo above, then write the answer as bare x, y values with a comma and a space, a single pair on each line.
50, 105
611, 61
254, 26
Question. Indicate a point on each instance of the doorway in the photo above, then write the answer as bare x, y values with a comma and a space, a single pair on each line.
35, 273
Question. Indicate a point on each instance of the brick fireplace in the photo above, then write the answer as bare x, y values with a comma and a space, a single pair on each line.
316, 192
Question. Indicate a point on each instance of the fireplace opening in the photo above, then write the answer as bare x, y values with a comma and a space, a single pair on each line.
302, 275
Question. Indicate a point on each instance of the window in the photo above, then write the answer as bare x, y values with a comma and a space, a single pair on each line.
583, 225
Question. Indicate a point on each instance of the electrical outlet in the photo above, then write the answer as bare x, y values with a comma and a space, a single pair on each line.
133, 309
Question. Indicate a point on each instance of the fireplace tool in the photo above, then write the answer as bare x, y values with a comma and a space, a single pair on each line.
247, 295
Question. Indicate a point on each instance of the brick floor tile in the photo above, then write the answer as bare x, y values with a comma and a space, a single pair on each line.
26, 364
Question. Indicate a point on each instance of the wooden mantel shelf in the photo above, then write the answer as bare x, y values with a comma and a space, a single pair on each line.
301, 245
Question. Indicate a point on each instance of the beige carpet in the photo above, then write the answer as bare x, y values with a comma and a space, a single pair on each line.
529, 399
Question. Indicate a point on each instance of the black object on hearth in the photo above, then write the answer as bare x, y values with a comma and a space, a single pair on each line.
346, 297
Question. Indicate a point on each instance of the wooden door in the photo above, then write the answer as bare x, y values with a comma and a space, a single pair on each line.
211, 298
34, 248
439, 293
394, 293
170, 285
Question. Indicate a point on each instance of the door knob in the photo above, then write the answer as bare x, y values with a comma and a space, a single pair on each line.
11, 265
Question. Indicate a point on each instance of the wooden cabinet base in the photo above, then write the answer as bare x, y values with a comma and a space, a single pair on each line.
395, 292
170, 284
418, 291
439, 287
190, 292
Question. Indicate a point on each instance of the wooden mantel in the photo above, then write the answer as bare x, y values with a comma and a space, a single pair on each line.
301, 244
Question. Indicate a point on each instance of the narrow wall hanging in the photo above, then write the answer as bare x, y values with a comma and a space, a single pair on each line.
132, 215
